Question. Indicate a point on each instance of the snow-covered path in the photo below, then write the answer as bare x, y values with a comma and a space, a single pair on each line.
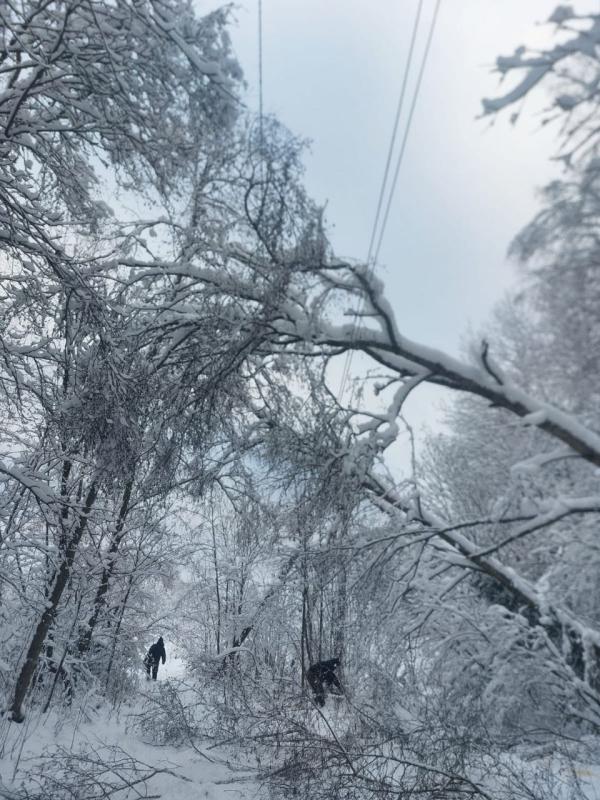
47, 749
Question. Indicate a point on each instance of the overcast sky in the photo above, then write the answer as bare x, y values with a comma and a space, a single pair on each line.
332, 73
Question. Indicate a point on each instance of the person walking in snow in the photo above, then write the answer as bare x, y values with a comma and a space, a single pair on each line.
322, 675
153, 657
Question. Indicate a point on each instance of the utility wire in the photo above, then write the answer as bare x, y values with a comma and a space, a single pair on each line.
407, 129
260, 75
372, 258
384, 180
395, 128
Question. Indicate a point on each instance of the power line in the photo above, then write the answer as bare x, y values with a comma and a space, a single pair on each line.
408, 126
372, 258
395, 128
260, 74
384, 180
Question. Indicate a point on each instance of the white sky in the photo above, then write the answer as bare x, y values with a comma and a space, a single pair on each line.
332, 73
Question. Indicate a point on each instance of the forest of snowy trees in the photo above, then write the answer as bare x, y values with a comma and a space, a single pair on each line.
175, 459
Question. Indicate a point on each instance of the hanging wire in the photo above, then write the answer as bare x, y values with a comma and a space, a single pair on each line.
372, 258
388, 162
392, 145
407, 129
384, 180
260, 75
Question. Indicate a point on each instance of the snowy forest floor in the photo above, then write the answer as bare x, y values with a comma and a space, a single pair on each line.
135, 750
95, 751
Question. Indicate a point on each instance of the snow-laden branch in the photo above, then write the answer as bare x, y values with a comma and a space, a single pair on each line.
36, 484
301, 326
537, 67
570, 70
557, 622
413, 360
559, 509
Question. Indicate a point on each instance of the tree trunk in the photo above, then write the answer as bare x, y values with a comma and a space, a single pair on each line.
100, 600
307, 633
217, 584
340, 613
321, 611
118, 630
302, 648
25, 675
59, 670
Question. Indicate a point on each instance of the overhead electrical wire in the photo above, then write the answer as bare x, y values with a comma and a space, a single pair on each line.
373, 257
378, 222
407, 129
395, 128
384, 180
260, 75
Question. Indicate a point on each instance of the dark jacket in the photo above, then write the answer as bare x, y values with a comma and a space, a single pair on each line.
157, 651
324, 672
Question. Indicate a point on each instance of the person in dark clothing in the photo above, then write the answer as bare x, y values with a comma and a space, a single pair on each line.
322, 675
153, 657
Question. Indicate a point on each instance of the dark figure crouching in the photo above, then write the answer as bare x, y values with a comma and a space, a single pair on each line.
153, 657
322, 675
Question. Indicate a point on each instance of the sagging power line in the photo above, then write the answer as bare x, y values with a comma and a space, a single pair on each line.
372, 257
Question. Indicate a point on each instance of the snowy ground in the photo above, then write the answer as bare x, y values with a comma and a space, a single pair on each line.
174, 668
47, 748
184, 773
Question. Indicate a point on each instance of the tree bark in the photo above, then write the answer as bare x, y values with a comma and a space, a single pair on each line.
100, 600
217, 583
118, 630
27, 670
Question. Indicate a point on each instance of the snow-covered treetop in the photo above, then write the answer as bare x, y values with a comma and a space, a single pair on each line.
569, 70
